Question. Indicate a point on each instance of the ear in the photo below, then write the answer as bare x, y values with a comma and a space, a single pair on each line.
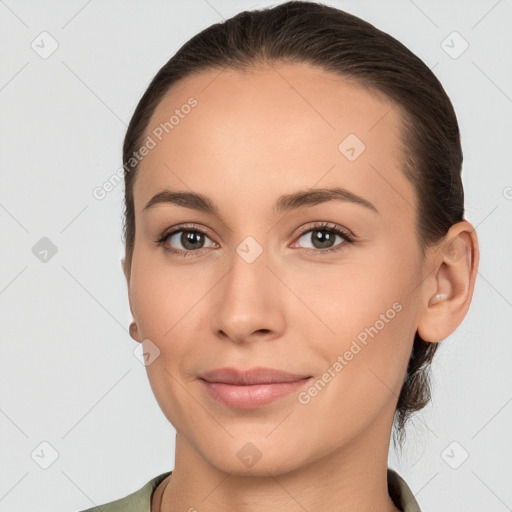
449, 288
134, 330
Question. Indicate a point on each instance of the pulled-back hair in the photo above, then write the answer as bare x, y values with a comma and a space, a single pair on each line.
335, 41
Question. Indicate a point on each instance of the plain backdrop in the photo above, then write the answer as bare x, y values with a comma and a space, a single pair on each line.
73, 395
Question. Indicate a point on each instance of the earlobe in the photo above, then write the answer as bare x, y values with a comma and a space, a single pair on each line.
449, 290
134, 332
133, 329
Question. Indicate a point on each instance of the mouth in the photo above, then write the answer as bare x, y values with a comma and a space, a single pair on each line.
258, 375
250, 389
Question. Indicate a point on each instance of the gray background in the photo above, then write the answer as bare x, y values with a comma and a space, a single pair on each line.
68, 375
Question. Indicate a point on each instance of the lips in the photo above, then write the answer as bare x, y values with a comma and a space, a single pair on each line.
258, 375
250, 389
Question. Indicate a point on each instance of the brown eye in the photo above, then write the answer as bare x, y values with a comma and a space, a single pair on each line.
184, 240
323, 238
189, 240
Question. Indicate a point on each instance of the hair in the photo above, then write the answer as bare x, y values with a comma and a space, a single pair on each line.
336, 41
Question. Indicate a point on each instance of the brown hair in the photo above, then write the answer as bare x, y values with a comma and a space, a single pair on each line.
333, 40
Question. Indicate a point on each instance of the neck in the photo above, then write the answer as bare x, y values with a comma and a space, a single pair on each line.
352, 478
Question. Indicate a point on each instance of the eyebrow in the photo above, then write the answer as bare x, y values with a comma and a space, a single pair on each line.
284, 203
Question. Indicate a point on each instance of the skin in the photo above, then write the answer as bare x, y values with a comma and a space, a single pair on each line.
251, 138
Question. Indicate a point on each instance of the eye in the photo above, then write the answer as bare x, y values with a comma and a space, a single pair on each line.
323, 236
191, 239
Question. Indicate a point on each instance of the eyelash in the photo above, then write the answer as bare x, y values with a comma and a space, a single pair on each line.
320, 226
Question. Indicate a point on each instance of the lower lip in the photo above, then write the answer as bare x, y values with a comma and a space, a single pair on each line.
251, 396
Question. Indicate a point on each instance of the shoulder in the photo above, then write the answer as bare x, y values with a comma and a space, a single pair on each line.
400, 493
139, 501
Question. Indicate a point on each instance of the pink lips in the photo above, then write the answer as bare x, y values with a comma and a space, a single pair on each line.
251, 388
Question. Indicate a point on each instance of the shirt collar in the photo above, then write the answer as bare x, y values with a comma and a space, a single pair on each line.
400, 493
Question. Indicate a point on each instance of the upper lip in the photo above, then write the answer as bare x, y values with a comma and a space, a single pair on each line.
259, 375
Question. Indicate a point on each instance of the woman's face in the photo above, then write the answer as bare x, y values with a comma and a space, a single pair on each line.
259, 288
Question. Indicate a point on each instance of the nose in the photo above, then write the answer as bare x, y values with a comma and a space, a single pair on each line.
249, 298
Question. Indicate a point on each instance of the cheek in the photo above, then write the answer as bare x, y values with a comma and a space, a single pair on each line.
360, 312
170, 309
344, 299
163, 310
364, 366
160, 299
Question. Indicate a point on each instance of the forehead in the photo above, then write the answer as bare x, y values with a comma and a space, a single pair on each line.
245, 137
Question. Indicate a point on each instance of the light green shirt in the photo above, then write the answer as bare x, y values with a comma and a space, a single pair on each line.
140, 501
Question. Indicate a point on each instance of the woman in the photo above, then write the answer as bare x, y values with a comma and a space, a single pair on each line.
296, 249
